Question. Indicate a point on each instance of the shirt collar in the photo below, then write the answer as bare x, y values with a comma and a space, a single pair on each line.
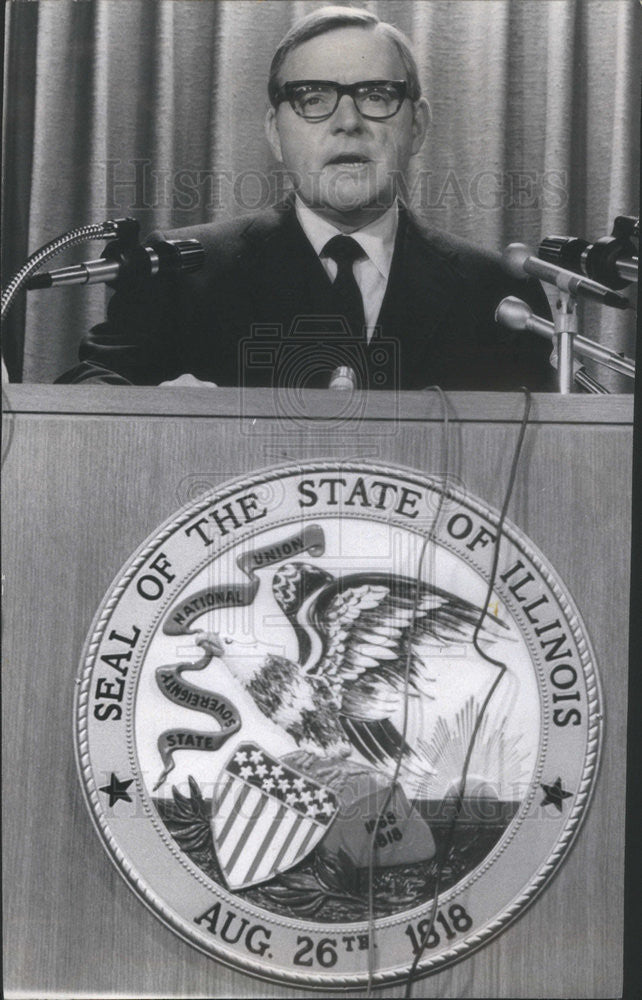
377, 239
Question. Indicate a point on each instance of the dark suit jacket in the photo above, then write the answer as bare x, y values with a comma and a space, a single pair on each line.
261, 312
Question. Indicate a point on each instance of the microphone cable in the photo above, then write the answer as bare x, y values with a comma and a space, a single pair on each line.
448, 841
394, 784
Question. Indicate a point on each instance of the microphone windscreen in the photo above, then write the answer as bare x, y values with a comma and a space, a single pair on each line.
513, 313
514, 258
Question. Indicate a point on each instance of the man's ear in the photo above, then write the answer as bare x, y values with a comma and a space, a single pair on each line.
272, 133
422, 117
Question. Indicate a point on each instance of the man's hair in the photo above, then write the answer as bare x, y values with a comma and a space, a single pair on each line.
319, 22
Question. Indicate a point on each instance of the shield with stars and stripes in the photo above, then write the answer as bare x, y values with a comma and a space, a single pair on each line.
266, 817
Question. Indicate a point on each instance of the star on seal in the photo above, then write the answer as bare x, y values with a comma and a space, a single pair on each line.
555, 795
117, 790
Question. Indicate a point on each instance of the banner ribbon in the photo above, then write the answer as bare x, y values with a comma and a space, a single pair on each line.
179, 619
170, 681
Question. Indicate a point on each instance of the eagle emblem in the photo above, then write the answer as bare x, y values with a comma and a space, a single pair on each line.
358, 636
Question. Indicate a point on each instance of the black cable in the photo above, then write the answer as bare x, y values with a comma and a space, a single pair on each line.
7, 426
394, 784
448, 840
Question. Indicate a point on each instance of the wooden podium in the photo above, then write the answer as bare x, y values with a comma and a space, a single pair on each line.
90, 472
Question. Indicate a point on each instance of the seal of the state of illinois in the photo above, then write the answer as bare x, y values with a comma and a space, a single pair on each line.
305, 745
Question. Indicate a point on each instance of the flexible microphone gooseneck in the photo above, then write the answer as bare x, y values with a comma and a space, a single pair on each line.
159, 257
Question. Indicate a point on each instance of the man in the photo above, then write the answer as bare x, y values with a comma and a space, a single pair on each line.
340, 274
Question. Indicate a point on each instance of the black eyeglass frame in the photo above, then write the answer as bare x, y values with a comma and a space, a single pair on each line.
286, 93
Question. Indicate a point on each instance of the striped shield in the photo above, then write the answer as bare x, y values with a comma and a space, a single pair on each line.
266, 817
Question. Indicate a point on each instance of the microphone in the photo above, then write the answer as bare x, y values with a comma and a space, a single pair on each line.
517, 315
606, 260
343, 377
157, 258
518, 259
611, 260
563, 251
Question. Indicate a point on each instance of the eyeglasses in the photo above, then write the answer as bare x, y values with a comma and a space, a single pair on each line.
316, 100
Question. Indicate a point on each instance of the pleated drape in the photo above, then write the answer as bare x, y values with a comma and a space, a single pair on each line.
154, 108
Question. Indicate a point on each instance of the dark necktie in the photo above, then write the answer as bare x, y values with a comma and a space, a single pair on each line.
344, 250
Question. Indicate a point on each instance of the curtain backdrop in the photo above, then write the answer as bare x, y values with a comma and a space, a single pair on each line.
154, 109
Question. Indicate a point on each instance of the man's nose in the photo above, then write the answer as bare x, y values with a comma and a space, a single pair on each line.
346, 118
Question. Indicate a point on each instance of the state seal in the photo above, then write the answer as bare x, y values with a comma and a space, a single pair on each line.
312, 741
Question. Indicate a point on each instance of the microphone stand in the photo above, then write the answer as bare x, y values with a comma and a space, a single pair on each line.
124, 231
565, 330
515, 314
588, 383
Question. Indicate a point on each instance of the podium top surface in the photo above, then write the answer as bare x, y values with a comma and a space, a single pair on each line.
313, 404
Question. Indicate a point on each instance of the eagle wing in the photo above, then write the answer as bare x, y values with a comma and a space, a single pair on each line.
366, 622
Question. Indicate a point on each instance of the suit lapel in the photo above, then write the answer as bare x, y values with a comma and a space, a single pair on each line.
289, 290
281, 267
416, 313
419, 290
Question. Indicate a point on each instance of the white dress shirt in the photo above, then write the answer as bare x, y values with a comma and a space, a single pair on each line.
377, 240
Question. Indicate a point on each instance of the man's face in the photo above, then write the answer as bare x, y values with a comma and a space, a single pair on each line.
317, 155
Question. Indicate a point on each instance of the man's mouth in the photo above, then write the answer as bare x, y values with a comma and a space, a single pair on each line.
348, 160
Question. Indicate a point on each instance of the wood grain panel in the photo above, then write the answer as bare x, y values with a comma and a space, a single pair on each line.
83, 491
